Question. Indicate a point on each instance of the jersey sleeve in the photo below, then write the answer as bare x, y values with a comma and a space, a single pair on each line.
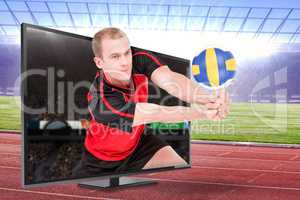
112, 110
146, 63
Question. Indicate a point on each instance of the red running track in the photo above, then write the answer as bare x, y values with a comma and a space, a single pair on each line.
218, 172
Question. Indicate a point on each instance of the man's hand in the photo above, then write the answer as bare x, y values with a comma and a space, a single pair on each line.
225, 103
217, 106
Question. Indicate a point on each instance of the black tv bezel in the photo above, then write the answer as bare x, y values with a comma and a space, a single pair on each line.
24, 146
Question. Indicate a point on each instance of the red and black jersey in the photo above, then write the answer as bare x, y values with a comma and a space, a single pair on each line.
111, 136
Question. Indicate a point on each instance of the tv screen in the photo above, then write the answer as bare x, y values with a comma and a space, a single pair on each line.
58, 73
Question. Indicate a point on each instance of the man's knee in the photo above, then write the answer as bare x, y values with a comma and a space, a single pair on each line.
164, 157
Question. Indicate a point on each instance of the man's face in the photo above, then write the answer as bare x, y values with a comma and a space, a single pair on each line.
116, 60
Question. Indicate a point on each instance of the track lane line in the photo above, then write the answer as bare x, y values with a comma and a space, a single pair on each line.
251, 180
55, 194
10, 154
244, 159
228, 184
252, 152
9, 167
245, 169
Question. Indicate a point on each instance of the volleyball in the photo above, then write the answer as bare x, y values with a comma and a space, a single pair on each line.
214, 67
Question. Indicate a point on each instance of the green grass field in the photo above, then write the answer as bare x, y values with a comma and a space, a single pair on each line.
10, 113
257, 122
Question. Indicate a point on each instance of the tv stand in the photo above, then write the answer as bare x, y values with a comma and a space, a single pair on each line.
116, 182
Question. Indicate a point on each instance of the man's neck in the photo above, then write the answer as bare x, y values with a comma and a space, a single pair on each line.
120, 83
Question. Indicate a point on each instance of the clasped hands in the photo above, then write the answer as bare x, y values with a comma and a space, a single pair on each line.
215, 105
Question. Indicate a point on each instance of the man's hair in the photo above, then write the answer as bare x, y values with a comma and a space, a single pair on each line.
110, 33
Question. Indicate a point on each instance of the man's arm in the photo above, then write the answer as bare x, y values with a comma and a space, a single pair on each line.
149, 112
180, 86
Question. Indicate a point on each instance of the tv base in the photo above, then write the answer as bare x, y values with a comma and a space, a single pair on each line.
116, 183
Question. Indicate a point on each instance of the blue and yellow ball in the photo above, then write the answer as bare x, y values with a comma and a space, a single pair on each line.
214, 67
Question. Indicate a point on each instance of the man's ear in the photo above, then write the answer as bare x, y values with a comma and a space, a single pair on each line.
99, 62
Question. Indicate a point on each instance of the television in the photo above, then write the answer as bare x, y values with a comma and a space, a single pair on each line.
57, 71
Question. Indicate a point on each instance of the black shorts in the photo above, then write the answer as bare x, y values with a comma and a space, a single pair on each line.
90, 166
